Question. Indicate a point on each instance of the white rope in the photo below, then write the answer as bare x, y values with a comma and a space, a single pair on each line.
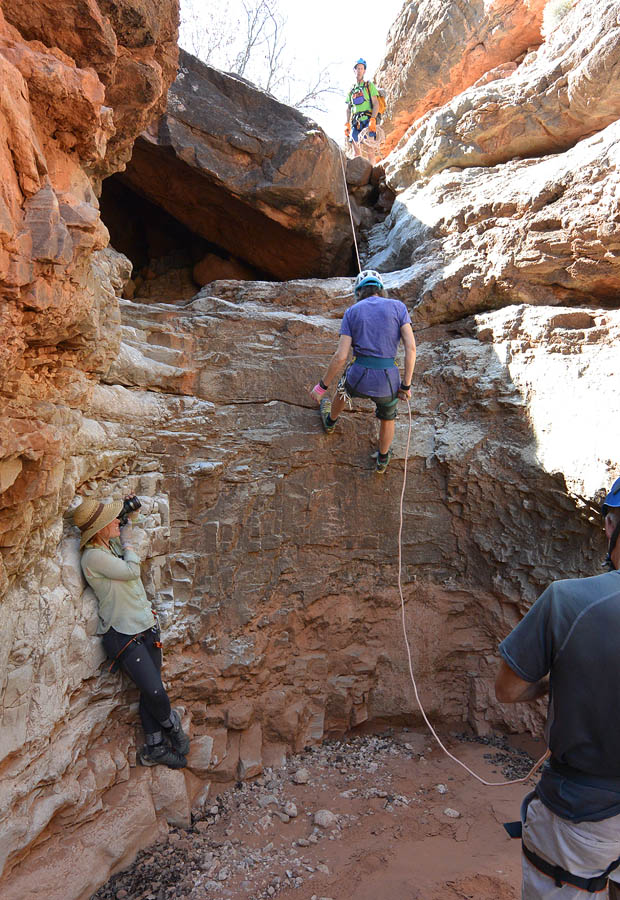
346, 190
413, 681
400, 587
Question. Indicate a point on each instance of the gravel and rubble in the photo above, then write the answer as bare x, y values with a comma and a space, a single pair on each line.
274, 834
514, 762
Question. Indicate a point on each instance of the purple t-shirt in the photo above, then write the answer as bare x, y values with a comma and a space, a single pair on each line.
374, 327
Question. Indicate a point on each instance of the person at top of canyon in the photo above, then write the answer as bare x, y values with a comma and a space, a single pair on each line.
127, 624
362, 109
567, 646
373, 328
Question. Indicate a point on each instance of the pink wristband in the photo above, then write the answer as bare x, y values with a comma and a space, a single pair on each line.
317, 389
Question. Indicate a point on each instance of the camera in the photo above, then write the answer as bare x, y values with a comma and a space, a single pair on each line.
130, 504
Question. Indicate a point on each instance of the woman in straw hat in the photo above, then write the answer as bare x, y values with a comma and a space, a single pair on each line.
129, 629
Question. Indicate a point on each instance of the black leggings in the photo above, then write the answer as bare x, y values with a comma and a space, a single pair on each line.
142, 662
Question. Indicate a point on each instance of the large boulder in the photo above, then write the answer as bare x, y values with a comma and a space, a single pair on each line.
247, 173
437, 49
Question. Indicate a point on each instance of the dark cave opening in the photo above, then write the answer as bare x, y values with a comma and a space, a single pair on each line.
170, 262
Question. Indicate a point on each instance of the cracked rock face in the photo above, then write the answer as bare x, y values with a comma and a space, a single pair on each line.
270, 549
247, 173
539, 231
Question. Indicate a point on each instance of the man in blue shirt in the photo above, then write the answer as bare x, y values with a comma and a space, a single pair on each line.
568, 646
373, 328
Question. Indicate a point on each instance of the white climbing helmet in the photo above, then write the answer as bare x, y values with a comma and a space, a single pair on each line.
367, 277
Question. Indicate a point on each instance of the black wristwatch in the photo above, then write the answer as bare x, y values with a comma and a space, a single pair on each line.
405, 387
322, 384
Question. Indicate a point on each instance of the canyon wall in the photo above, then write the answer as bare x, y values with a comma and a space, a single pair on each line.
269, 548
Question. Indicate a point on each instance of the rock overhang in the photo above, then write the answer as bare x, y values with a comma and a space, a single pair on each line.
246, 173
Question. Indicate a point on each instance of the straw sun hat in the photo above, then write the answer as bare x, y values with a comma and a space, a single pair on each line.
93, 515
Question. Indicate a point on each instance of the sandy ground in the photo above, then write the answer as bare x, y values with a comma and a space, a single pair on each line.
402, 822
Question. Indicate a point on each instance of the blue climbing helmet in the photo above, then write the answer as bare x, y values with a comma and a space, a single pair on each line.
368, 277
612, 501
613, 497
360, 62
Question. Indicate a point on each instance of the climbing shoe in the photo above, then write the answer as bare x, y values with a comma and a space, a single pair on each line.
179, 741
381, 461
161, 755
325, 408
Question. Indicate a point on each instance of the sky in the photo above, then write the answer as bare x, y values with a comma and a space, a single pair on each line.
329, 32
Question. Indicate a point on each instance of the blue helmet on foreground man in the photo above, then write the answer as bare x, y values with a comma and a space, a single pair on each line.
611, 503
567, 646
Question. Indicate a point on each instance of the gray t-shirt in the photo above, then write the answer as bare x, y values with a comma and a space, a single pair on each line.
573, 633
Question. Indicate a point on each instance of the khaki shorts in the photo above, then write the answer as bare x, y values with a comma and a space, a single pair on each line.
582, 848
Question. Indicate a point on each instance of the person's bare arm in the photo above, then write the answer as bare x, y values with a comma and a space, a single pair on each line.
406, 333
510, 688
337, 362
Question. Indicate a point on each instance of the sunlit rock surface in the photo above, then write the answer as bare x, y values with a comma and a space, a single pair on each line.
540, 231
436, 50
566, 90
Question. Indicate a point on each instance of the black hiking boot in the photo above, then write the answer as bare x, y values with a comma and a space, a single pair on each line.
325, 407
179, 741
382, 460
161, 755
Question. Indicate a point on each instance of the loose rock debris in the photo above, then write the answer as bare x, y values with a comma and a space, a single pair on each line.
277, 833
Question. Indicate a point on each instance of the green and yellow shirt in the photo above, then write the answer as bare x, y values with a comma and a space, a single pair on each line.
360, 97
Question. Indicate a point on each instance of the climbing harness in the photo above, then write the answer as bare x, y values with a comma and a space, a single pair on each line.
137, 639
113, 665
413, 681
560, 875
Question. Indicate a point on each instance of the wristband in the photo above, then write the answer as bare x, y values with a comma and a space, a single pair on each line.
322, 384
405, 387
317, 389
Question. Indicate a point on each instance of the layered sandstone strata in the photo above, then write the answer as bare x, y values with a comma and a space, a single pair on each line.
567, 89
69, 113
540, 231
436, 50
270, 549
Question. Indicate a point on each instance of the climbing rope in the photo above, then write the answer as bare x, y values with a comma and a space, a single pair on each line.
346, 190
413, 681
400, 586
374, 144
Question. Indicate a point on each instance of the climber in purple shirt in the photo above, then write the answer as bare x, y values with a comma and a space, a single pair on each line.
373, 328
